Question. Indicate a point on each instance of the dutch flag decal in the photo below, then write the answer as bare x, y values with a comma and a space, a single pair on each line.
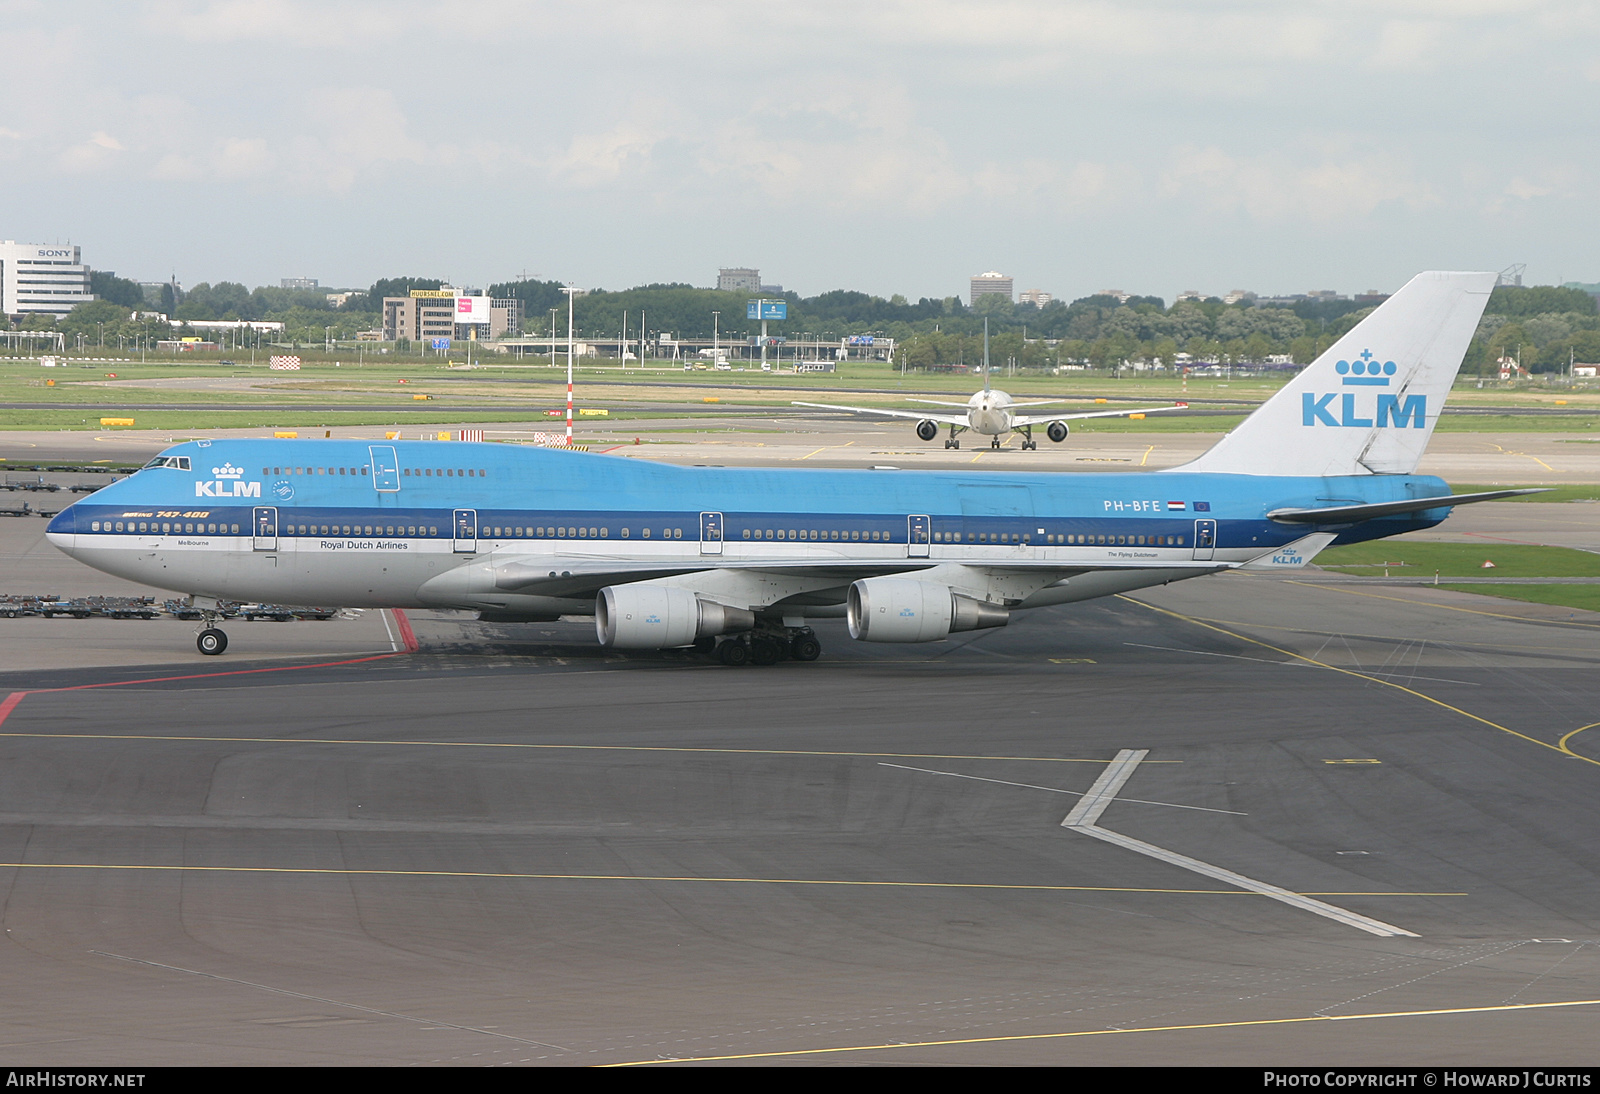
1171, 505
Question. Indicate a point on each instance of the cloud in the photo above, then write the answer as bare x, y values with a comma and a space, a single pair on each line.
598, 159
242, 157
97, 152
1274, 188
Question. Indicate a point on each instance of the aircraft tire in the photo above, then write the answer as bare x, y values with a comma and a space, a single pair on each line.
733, 654
805, 648
211, 641
764, 651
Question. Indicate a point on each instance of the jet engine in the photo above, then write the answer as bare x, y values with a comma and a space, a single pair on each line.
653, 617
903, 609
1056, 431
927, 429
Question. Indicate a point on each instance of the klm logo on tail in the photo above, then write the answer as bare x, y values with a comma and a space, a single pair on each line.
1353, 413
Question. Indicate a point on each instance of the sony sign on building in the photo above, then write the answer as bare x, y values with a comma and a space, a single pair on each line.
36, 279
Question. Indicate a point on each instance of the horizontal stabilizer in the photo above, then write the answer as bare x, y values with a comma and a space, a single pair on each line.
1351, 514
1292, 556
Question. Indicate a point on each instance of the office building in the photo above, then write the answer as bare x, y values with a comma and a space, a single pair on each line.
36, 279
992, 283
430, 314
739, 280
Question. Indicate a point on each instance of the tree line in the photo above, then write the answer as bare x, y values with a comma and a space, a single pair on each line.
1545, 325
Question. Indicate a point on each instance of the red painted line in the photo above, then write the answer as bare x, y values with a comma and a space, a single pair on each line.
407, 635
9, 703
1503, 539
212, 675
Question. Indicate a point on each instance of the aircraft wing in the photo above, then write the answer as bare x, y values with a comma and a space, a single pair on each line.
584, 578
1041, 419
938, 402
914, 415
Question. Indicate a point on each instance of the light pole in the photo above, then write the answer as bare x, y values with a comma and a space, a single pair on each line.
571, 292
716, 334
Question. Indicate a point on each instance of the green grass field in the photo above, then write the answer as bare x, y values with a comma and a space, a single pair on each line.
1577, 492
1415, 558
79, 397
1586, 597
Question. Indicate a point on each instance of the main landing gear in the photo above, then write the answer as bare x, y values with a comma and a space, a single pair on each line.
211, 641
954, 430
1027, 438
768, 647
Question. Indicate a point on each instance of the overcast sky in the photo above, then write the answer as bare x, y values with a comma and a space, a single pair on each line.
888, 147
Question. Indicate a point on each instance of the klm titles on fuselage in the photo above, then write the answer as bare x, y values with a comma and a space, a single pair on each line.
1384, 411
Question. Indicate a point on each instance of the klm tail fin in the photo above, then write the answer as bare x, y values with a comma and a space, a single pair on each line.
1369, 404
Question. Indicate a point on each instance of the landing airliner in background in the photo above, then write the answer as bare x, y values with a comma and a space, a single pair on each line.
739, 559
990, 412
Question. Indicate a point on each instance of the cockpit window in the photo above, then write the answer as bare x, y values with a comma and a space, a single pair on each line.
180, 463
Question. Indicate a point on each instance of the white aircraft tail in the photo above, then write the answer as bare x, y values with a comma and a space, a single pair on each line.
1369, 404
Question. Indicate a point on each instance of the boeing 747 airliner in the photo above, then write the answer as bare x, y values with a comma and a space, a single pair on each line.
739, 559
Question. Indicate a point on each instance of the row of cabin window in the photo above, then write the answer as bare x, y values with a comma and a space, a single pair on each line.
430, 472
962, 537
1079, 540
831, 536
543, 532
164, 527
360, 530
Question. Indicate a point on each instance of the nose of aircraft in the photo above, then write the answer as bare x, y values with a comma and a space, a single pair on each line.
62, 530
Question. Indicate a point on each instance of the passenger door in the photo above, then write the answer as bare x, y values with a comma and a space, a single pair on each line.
711, 533
264, 525
917, 536
385, 468
466, 531
1205, 540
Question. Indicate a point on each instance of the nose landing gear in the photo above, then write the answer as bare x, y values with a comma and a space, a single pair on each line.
209, 640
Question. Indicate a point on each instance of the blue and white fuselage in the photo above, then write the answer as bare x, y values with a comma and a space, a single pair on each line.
368, 525
665, 555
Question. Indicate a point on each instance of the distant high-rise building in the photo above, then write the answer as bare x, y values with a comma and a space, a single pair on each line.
1037, 297
1191, 294
739, 280
298, 283
37, 279
992, 283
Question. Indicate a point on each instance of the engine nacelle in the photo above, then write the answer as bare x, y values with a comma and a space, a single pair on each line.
903, 609
654, 617
1056, 431
927, 429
